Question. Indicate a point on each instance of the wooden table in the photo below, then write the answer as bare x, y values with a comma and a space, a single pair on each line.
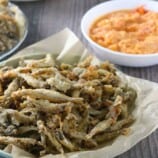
47, 17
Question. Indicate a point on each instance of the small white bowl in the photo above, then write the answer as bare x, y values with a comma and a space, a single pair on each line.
22, 22
119, 58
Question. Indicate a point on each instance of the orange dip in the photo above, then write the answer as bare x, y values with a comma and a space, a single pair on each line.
129, 31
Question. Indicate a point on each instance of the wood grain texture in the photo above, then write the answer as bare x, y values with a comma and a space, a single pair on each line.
47, 17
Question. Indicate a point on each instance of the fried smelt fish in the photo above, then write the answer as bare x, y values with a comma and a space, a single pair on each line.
13, 86
86, 62
100, 127
69, 129
13, 73
51, 95
60, 82
1, 89
46, 106
107, 136
41, 63
15, 117
18, 117
122, 123
4, 2
64, 141
44, 73
25, 143
33, 82
25, 129
43, 129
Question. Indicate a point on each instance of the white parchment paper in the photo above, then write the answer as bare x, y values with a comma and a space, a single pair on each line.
66, 47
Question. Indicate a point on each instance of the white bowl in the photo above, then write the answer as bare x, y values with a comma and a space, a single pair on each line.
22, 22
119, 58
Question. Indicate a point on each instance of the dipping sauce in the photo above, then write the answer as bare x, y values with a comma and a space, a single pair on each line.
128, 31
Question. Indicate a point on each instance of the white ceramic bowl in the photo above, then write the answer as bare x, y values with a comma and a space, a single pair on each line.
22, 22
113, 56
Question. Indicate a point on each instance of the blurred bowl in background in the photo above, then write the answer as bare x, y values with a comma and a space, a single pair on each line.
22, 23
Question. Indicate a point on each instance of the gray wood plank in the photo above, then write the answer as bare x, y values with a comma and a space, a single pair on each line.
49, 16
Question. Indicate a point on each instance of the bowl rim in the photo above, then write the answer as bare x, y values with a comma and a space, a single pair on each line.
118, 53
4, 154
4, 55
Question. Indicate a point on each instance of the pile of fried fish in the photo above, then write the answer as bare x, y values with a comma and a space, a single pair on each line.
51, 108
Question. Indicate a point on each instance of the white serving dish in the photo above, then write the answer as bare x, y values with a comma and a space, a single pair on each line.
107, 54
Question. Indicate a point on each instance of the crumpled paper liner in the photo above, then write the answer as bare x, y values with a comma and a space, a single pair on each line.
17, 152
66, 47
